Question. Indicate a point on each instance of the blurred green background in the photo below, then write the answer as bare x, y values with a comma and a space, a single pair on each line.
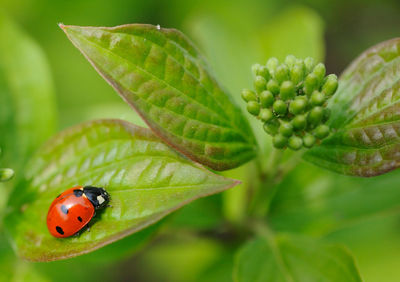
363, 214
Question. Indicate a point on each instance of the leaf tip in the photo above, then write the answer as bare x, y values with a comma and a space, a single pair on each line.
234, 182
62, 26
66, 27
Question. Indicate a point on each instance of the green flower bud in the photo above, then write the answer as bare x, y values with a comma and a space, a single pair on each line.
255, 68
248, 95
315, 115
299, 122
272, 64
279, 141
297, 74
282, 73
266, 115
321, 131
253, 108
309, 64
295, 143
330, 86
263, 71
317, 98
290, 60
308, 140
286, 129
327, 114
319, 71
297, 106
290, 99
273, 87
287, 91
266, 99
260, 83
302, 97
271, 127
280, 107
310, 84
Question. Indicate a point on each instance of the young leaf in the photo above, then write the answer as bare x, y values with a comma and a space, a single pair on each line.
144, 177
365, 112
289, 258
162, 76
27, 108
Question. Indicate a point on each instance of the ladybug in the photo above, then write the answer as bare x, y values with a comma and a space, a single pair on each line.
72, 210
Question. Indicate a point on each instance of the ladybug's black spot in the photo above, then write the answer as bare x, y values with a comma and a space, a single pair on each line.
78, 192
64, 209
80, 218
60, 230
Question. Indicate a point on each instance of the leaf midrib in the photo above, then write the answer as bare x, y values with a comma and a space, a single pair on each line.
198, 64
90, 149
229, 121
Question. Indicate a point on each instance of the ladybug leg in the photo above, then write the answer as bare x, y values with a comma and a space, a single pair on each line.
109, 206
88, 227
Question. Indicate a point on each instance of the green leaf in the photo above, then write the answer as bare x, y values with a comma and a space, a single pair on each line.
220, 270
318, 202
14, 269
145, 178
289, 258
162, 76
365, 112
262, 32
27, 108
122, 249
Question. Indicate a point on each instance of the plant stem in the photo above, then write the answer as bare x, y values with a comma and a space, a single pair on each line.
265, 183
268, 180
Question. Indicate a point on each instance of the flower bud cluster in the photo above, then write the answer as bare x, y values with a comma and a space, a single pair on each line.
290, 100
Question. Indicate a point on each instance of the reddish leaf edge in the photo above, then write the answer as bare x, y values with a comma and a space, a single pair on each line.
202, 160
129, 126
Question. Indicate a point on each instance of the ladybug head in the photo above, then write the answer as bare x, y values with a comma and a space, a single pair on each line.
97, 196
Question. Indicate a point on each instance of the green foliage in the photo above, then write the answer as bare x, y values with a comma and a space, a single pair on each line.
318, 202
263, 32
145, 178
27, 110
167, 82
364, 112
289, 258
6, 174
161, 74
292, 96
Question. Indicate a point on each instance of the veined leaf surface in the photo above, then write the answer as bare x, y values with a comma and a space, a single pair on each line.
144, 177
285, 258
163, 77
366, 116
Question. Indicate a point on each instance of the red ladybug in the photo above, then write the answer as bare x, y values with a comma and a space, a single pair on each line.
73, 209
